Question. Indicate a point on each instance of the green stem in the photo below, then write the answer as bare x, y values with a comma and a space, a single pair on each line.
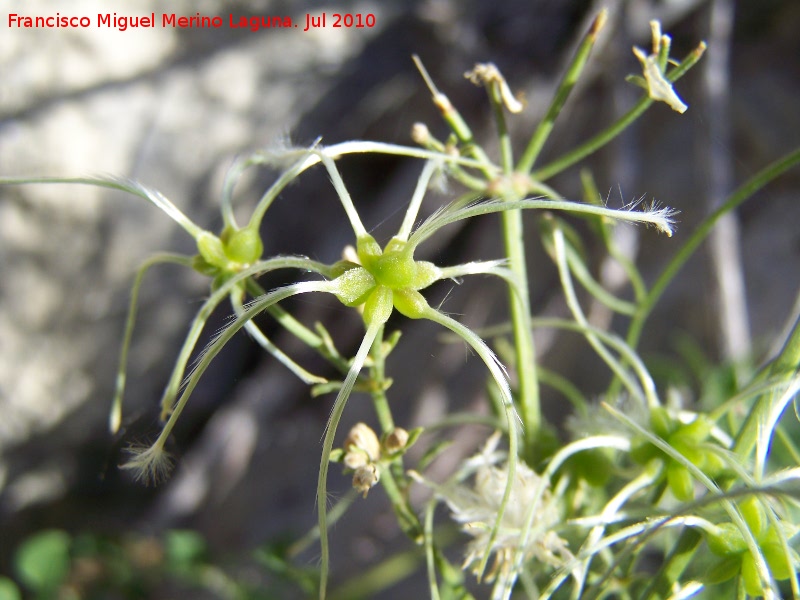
562, 93
608, 134
406, 517
391, 472
528, 384
296, 328
378, 377
115, 417
745, 191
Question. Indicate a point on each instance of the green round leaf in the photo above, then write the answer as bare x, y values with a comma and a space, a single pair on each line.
184, 548
9, 590
42, 561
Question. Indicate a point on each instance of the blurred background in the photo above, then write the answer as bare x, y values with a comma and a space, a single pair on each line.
172, 108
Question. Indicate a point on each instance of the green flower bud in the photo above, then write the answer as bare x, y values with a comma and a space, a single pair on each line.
395, 269
411, 304
378, 307
680, 482
752, 582
754, 516
211, 249
354, 286
243, 246
661, 422
367, 250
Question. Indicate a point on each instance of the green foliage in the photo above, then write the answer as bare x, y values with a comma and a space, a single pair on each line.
43, 561
9, 590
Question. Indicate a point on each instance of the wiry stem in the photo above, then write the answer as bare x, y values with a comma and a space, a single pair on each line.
121, 184
115, 416
498, 374
327, 447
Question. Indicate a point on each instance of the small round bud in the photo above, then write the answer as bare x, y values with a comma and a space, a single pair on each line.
397, 440
420, 134
211, 249
243, 246
365, 477
362, 437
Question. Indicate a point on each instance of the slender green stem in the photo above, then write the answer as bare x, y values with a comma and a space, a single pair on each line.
378, 377
416, 200
430, 507
393, 478
580, 318
562, 93
115, 416
153, 462
327, 448
334, 515
344, 196
173, 386
745, 191
660, 218
237, 296
406, 516
457, 123
608, 134
269, 196
121, 184
528, 384
499, 376
582, 274
506, 151
296, 328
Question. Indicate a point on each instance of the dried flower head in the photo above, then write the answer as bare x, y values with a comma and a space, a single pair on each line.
365, 477
361, 447
654, 65
477, 508
488, 74
396, 440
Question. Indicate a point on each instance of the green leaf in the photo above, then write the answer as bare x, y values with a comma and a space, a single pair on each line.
723, 570
680, 481
184, 548
42, 561
727, 540
9, 590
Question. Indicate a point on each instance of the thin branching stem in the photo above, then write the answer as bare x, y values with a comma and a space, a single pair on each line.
327, 446
115, 415
611, 132
565, 87
124, 185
